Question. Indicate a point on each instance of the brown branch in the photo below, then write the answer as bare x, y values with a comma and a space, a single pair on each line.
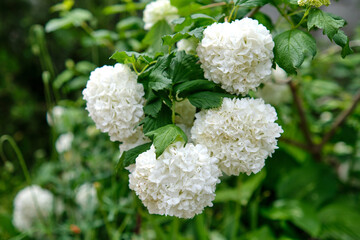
253, 12
213, 5
300, 108
340, 120
295, 143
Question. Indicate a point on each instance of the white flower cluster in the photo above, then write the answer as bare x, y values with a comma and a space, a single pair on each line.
157, 11
237, 55
114, 100
314, 3
181, 182
241, 134
31, 206
64, 141
86, 196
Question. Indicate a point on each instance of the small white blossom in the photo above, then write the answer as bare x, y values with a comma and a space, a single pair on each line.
181, 182
185, 112
314, 3
86, 196
241, 134
279, 75
157, 11
275, 94
31, 206
187, 45
64, 141
114, 100
55, 115
237, 55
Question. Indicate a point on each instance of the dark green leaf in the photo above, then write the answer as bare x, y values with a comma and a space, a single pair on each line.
264, 20
163, 118
325, 21
170, 40
343, 41
250, 3
206, 100
129, 157
164, 136
291, 47
299, 213
159, 78
189, 87
153, 108
154, 36
183, 67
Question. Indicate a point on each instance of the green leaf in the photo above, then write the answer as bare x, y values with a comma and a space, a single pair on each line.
189, 87
129, 157
291, 47
163, 118
73, 18
325, 21
264, 20
243, 192
154, 37
300, 214
159, 79
153, 108
206, 100
170, 40
183, 67
131, 57
164, 136
250, 3
180, 3
343, 41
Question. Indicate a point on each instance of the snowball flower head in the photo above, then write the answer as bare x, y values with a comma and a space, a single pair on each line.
157, 11
187, 45
314, 3
237, 55
64, 141
114, 101
181, 182
32, 205
241, 134
86, 196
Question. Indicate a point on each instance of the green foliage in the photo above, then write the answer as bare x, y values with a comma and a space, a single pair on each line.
325, 21
129, 157
291, 47
250, 3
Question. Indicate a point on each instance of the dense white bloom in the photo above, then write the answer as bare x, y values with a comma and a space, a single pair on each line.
64, 141
315, 3
115, 101
31, 206
237, 55
185, 112
274, 93
157, 11
86, 196
181, 182
241, 134
188, 45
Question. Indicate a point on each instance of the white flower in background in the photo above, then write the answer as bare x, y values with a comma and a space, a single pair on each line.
55, 115
114, 100
181, 182
274, 93
185, 112
187, 45
157, 11
64, 141
86, 196
279, 75
314, 3
241, 134
31, 206
237, 55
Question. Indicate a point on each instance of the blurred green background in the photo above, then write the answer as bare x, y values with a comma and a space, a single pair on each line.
47, 50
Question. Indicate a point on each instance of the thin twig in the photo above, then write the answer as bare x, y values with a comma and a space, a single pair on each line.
253, 12
340, 120
295, 143
300, 107
213, 5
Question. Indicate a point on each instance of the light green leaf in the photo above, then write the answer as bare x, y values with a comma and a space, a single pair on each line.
159, 79
343, 41
131, 57
164, 136
129, 157
291, 47
170, 40
154, 37
73, 18
206, 100
325, 21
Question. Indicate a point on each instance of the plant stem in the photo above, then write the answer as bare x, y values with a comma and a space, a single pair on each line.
303, 18
253, 12
143, 70
213, 5
282, 13
232, 12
